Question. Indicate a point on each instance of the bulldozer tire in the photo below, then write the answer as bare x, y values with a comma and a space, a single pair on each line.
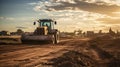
24, 41
56, 38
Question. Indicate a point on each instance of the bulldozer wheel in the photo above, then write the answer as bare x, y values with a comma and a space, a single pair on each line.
24, 42
55, 38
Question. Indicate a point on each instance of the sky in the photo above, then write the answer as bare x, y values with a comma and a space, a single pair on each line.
87, 15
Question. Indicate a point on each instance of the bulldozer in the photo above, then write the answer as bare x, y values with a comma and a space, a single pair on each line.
44, 32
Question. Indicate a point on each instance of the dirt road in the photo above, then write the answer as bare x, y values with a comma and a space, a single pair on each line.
96, 52
33, 55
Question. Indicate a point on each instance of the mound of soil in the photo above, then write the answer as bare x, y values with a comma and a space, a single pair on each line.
106, 41
73, 59
102, 51
108, 48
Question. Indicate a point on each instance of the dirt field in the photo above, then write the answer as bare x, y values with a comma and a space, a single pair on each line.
82, 52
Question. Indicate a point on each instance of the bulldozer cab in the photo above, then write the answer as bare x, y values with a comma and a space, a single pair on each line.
47, 22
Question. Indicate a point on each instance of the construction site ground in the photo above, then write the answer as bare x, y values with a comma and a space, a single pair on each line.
75, 52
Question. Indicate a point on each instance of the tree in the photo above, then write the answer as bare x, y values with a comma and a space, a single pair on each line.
19, 31
100, 31
79, 31
111, 32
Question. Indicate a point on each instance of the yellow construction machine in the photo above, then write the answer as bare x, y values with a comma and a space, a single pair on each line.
44, 32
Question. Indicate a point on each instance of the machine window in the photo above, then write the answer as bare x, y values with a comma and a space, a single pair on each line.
46, 24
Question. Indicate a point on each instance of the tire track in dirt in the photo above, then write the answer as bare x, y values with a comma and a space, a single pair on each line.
25, 55
34, 55
37, 61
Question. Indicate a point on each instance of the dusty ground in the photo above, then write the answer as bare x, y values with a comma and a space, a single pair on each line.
80, 52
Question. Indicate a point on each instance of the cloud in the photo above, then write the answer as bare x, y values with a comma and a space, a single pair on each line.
97, 6
85, 6
110, 20
32, 3
83, 14
6, 18
37, 8
69, 1
41, 5
105, 2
